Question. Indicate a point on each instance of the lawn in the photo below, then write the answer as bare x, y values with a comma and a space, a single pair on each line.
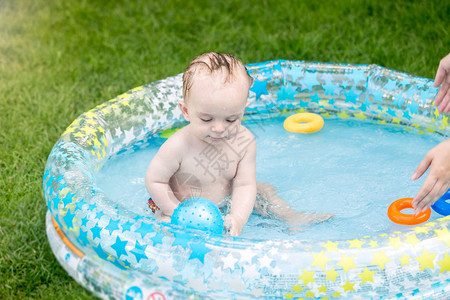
59, 58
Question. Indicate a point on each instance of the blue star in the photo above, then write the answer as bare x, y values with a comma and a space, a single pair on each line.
391, 85
294, 72
99, 215
126, 226
181, 239
68, 198
157, 239
139, 251
398, 101
50, 181
351, 96
259, 88
119, 247
286, 92
100, 252
68, 218
199, 250
84, 221
79, 205
47, 172
329, 88
144, 228
315, 98
391, 112
277, 66
112, 225
96, 232
83, 237
310, 80
406, 115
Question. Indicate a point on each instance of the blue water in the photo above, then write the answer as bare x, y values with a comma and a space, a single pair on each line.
353, 169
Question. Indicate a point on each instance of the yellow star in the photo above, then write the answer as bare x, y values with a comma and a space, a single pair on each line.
395, 242
348, 286
138, 88
289, 296
380, 259
96, 142
320, 260
124, 95
297, 288
336, 294
356, 243
79, 134
114, 106
366, 275
307, 277
443, 235
381, 121
436, 113
343, 115
91, 121
89, 130
420, 229
331, 274
326, 115
373, 244
412, 239
125, 103
105, 141
360, 116
69, 130
310, 294
346, 262
322, 289
444, 263
330, 246
404, 260
395, 120
101, 129
426, 260
445, 120
90, 114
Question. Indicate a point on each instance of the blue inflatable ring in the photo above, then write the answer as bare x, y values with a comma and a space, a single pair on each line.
441, 206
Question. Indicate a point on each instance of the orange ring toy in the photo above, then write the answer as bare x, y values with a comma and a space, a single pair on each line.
394, 213
303, 123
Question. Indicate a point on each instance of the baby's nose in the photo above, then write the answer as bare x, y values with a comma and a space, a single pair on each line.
218, 127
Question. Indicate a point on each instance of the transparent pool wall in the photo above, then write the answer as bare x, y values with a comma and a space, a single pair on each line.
127, 254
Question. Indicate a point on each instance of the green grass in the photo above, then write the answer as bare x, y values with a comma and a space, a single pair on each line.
59, 58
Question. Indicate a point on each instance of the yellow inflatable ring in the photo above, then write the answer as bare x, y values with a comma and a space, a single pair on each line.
309, 123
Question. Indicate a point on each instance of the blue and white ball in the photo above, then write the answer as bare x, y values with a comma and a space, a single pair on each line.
198, 213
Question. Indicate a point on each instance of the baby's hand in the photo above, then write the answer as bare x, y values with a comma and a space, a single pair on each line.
233, 225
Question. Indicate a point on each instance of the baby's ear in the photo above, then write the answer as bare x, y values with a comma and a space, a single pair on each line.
184, 110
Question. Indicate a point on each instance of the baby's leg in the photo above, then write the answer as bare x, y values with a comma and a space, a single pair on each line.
269, 204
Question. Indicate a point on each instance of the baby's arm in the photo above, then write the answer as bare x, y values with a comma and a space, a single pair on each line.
162, 167
244, 192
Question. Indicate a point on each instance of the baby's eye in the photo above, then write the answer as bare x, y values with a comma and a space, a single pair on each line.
205, 120
231, 120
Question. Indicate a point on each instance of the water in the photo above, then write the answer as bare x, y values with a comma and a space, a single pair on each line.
353, 169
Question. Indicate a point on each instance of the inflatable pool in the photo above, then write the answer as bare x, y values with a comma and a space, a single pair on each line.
116, 253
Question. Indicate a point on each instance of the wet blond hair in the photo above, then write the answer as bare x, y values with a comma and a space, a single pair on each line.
212, 62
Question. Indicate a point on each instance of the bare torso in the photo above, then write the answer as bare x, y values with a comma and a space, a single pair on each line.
208, 169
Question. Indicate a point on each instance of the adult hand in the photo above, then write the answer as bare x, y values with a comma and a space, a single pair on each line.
438, 179
443, 77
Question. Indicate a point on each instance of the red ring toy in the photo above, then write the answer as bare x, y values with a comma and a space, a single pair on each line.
394, 213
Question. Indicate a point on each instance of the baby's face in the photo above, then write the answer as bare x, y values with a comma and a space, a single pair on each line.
214, 108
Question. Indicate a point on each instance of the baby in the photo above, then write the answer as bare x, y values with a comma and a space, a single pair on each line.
214, 155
